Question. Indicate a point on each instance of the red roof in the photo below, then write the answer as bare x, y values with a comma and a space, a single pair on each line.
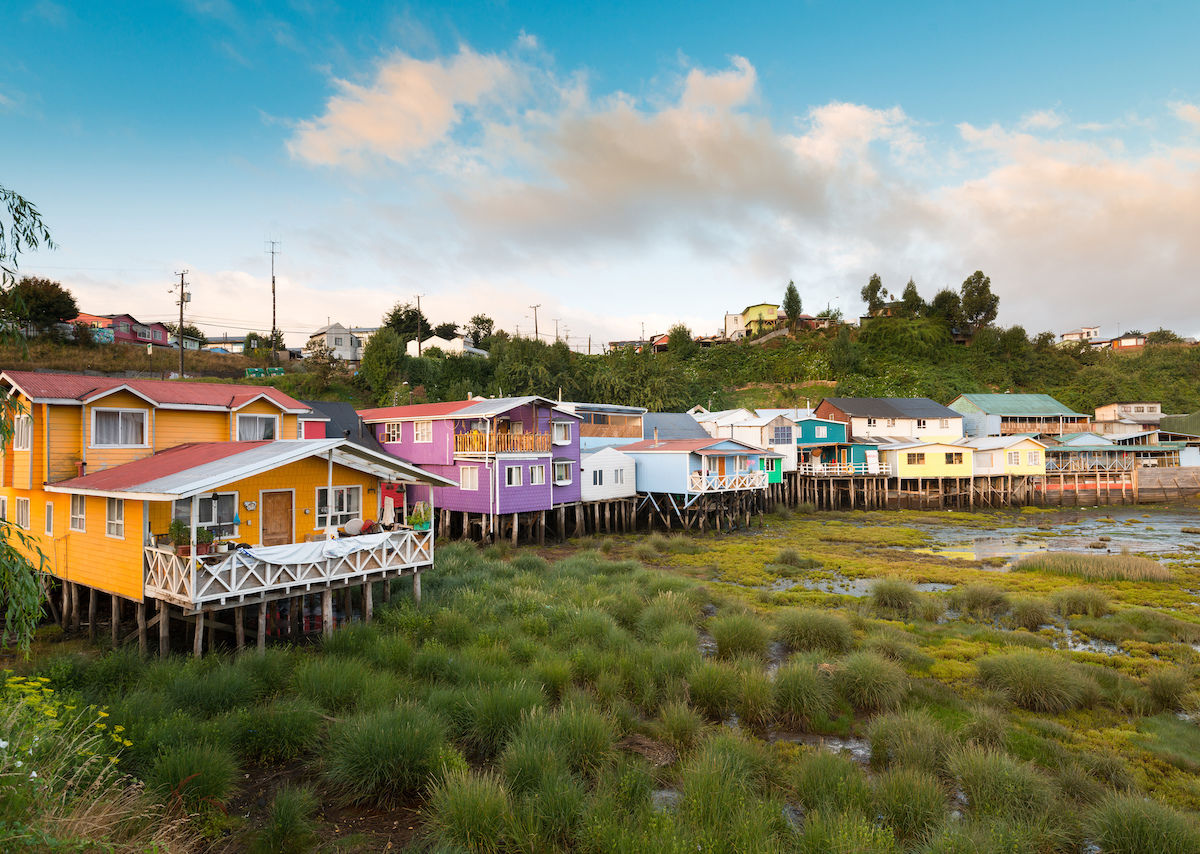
177, 459
416, 410
162, 392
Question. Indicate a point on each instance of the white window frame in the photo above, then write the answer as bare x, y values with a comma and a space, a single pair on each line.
49, 519
21, 519
210, 525
1014, 458
922, 423
1033, 458
333, 519
597, 477
3, 508
509, 479
872, 422
468, 479
393, 432
821, 431
562, 432
78, 520
423, 432
618, 476
562, 481
23, 433
785, 431
256, 417
537, 475
145, 413
114, 523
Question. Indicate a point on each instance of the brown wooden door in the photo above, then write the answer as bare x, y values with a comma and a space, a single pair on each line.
276, 518
721, 466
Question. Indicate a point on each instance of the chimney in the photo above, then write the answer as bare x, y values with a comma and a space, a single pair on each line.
656, 437
80, 468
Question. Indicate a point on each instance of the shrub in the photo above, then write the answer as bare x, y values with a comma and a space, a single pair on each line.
1168, 686
1122, 567
681, 725
893, 597
335, 684
981, 601
289, 827
802, 694
213, 691
194, 775
739, 635
808, 629
276, 732
713, 686
1128, 824
469, 811
1030, 613
493, 713
909, 739
996, 784
1081, 600
910, 802
869, 682
1042, 683
828, 782
382, 757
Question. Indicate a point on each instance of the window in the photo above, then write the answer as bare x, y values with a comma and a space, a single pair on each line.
954, 459
78, 513
871, 422
22, 519
142, 332
257, 428
221, 519
22, 433
983, 461
4, 508
158, 335
423, 431
891, 422
537, 475
512, 475
1033, 458
468, 479
118, 428
598, 477
1014, 458
49, 519
783, 436
391, 431
595, 418
916, 459
821, 431
114, 518
945, 424
618, 476
347, 505
921, 423
337, 340
1139, 409
562, 472
562, 433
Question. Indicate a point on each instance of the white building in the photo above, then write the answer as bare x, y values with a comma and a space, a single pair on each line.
345, 344
459, 345
607, 474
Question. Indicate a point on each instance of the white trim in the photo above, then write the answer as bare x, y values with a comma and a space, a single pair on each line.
19, 420
108, 521
262, 508
329, 513
554, 427
268, 399
508, 480
390, 438
82, 529
238, 425
462, 483
17, 513
419, 441
49, 520
145, 413
3, 508
569, 479
102, 394
539, 468
210, 525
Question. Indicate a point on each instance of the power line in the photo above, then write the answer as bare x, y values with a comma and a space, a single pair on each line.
184, 296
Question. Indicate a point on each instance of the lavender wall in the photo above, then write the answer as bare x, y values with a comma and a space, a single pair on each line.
438, 452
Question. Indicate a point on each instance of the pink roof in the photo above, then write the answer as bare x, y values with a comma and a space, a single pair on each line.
416, 410
162, 392
172, 461
689, 445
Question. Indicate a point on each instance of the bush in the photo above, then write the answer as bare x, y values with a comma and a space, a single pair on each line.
996, 784
810, 630
382, 757
713, 686
910, 802
981, 601
803, 694
869, 682
214, 690
1081, 600
1122, 567
289, 827
469, 811
739, 635
335, 684
1128, 824
828, 782
493, 713
194, 775
681, 725
893, 597
277, 732
909, 739
1030, 613
1168, 686
1039, 682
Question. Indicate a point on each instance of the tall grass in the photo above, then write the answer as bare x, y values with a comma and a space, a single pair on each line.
828, 782
470, 811
803, 694
981, 601
1030, 612
910, 802
1127, 824
808, 629
1039, 682
493, 713
740, 635
194, 776
894, 597
910, 739
713, 686
383, 757
1097, 567
276, 732
289, 827
1088, 601
996, 784
869, 682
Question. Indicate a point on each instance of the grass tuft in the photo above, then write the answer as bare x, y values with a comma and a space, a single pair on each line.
1030, 613
982, 601
1168, 686
1088, 601
289, 827
829, 782
909, 739
1127, 824
910, 802
195, 776
713, 686
277, 732
894, 597
996, 784
1122, 567
803, 694
1039, 682
870, 682
383, 757
807, 629
739, 635
470, 811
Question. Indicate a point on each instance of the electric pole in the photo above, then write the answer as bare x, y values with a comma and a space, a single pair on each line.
419, 323
535, 328
184, 297
272, 250
556, 330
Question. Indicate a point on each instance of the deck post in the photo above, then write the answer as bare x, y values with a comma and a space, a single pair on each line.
368, 597
141, 624
198, 638
91, 613
327, 612
348, 605
417, 586
260, 640
164, 628
562, 523
115, 628
516, 527
239, 627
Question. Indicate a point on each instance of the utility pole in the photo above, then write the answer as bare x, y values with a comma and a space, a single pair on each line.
184, 297
419, 323
272, 251
590, 348
556, 330
535, 330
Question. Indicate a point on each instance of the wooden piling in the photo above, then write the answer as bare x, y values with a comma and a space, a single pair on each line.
327, 612
141, 628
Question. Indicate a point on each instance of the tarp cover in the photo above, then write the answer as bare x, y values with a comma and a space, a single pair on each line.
312, 552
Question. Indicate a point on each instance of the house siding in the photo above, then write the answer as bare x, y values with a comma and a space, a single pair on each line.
935, 461
607, 461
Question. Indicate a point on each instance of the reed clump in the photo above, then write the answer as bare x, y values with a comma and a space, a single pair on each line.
1119, 567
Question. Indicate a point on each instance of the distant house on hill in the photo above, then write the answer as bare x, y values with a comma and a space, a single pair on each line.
345, 345
226, 344
1127, 417
1083, 335
459, 345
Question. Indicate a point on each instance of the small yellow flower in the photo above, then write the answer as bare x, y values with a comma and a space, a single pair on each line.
127, 743
117, 728
102, 713
51, 713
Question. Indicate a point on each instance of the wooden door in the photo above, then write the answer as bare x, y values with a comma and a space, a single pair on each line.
276, 518
721, 466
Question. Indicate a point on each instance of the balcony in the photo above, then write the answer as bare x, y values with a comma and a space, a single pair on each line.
477, 444
844, 469
712, 482
1011, 427
254, 575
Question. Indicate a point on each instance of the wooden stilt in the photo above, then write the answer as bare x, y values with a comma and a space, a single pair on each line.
368, 597
198, 636
115, 619
516, 527
91, 613
141, 625
417, 586
164, 629
327, 612
260, 639
239, 628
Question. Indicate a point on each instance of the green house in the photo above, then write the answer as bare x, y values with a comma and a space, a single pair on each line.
772, 464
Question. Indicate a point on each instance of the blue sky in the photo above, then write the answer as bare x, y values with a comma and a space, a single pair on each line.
615, 163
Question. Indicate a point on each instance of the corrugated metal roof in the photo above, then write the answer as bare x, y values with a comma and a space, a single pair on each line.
991, 443
167, 393
416, 410
689, 445
481, 408
1021, 404
892, 407
343, 422
672, 425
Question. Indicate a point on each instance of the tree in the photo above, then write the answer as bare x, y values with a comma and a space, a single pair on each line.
874, 294
320, 361
979, 305
189, 331
946, 306
1162, 336
792, 306
261, 343
406, 320
833, 314
381, 361
41, 303
913, 305
479, 329
445, 330
21, 230
680, 342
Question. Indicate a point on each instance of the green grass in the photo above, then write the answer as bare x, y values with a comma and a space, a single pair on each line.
996, 784
807, 629
289, 827
1030, 612
383, 757
1128, 824
276, 732
1168, 686
911, 803
713, 686
911, 739
196, 776
1121, 567
892, 597
982, 601
681, 725
1039, 682
739, 635
1088, 601
470, 811
869, 682
829, 782
803, 695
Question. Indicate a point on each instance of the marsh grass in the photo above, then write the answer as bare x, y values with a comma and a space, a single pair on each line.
382, 757
493, 713
195, 776
681, 726
982, 601
898, 647
1168, 686
1030, 612
755, 705
276, 732
336, 684
869, 682
213, 690
1120, 567
793, 559
894, 597
996, 784
910, 739
1089, 601
910, 802
807, 629
289, 827
740, 635
470, 811
1128, 824
1039, 682
845, 833
713, 687
803, 694
828, 782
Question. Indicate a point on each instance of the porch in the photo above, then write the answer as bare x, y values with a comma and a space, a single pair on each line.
1055, 427
844, 469
481, 444
702, 481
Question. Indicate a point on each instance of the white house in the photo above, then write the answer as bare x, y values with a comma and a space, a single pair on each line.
345, 345
776, 433
459, 345
607, 474
1084, 334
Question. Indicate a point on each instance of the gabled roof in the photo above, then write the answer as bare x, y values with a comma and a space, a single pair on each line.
697, 445
613, 408
796, 414
1037, 405
995, 443
892, 407
198, 468
167, 394
342, 421
672, 425
477, 408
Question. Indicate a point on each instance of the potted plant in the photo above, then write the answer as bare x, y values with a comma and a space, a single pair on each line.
204, 539
420, 518
180, 536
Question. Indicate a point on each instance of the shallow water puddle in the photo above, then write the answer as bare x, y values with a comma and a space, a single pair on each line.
858, 749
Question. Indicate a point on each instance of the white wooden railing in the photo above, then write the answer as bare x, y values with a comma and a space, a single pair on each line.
237, 577
713, 482
843, 469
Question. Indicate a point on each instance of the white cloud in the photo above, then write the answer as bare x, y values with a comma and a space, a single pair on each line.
1189, 113
1041, 120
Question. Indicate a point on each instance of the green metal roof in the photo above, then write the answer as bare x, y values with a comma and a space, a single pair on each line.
1038, 405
